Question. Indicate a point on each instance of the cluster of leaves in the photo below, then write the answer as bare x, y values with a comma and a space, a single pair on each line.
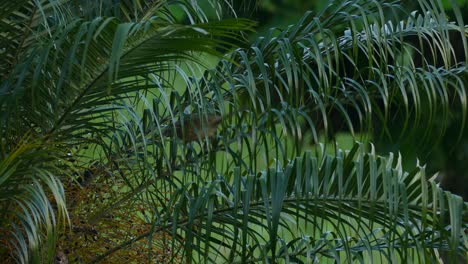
109, 83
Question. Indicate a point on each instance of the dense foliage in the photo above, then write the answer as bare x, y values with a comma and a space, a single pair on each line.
154, 131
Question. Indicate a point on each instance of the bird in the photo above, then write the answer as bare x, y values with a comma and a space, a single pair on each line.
194, 127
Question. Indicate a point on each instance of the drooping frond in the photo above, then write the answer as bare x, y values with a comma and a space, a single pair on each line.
87, 65
62, 76
349, 207
32, 201
352, 66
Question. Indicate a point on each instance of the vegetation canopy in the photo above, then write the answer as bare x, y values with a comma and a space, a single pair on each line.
167, 132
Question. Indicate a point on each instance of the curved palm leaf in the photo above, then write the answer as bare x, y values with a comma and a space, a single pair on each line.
348, 207
359, 74
60, 80
28, 183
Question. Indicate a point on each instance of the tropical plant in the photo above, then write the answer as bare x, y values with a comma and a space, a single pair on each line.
152, 131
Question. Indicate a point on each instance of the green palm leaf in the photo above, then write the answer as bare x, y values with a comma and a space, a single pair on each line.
28, 185
351, 206
61, 80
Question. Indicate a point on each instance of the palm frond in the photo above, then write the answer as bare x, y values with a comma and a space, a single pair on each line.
356, 65
118, 67
66, 78
355, 205
32, 201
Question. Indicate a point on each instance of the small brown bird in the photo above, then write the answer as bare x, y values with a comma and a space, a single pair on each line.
194, 127
60, 258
